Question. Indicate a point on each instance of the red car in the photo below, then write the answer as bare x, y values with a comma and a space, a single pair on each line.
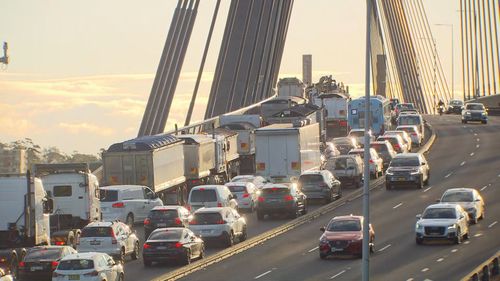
344, 236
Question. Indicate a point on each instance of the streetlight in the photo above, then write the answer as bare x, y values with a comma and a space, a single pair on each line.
452, 58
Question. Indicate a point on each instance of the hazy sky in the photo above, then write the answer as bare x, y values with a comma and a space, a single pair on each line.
81, 70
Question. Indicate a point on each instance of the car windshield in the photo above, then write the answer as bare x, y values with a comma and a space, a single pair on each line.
163, 214
97, 232
409, 120
475, 107
206, 218
379, 147
242, 180
108, 195
345, 225
166, 234
405, 162
75, 264
356, 133
310, 179
237, 188
456, 102
203, 195
275, 191
37, 254
407, 129
457, 197
439, 213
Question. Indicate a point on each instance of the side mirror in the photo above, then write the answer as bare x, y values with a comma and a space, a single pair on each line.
322, 229
192, 238
438, 200
423, 163
48, 206
419, 216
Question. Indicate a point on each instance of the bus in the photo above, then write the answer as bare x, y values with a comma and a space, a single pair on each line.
380, 114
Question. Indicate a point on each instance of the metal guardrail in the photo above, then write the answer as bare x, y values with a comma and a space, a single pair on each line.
494, 111
487, 271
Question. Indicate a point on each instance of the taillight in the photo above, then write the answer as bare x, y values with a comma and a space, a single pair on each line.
178, 245
147, 221
54, 264
93, 273
288, 198
193, 222
22, 264
246, 195
60, 243
113, 236
413, 134
261, 199
118, 205
146, 246
220, 222
219, 204
371, 160
178, 221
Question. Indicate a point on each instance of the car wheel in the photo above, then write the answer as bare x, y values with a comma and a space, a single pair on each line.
229, 239
130, 220
121, 277
260, 215
420, 185
202, 251
121, 257
147, 263
187, 258
426, 182
322, 256
458, 237
135, 253
482, 215
419, 241
243, 236
388, 186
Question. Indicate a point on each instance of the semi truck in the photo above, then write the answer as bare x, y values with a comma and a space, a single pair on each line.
24, 217
284, 151
75, 192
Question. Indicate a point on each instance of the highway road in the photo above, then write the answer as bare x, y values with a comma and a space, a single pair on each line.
462, 156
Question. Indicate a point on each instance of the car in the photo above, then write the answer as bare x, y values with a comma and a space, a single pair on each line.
413, 119
90, 266
385, 151
113, 238
320, 184
343, 235
127, 203
330, 150
219, 224
166, 216
376, 163
359, 135
416, 137
397, 142
442, 221
259, 181
172, 244
348, 169
407, 169
469, 199
400, 107
404, 135
39, 262
211, 196
345, 144
281, 198
454, 106
474, 112
245, 194
4, 276
393, 103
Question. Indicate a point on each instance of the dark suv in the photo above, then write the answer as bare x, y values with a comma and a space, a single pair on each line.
166, 216
474, 112
320, 185
282, 198
407, 169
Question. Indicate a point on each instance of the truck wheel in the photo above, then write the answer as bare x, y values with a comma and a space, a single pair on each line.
14, 267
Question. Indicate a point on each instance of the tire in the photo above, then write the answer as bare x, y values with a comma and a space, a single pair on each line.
147, 263
293, 214
130, 220
121, 257
187, 258
121, 278
229, 239
322, 256
419, 241
426, 182
260, 215
14, 267
458, 239
244, 234
388, 186
466, 235
135, 253
202, 252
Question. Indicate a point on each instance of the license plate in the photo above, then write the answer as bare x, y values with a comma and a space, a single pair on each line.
336, 249
161, 224
95, 242
74, 277
161, 248
401, 179
206, 231
35, 268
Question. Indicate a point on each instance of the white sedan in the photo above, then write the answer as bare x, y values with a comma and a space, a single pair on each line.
88, 267
469, 199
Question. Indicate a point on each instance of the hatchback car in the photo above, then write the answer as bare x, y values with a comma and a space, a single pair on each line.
376, 163
407, 169
359, 135
404, 135
245, 194
40, 262
344, 236
259, 181
88, 267
397, 142
348, 169
416, 137
413, 119
211, 196
281, 198
474, 112
442, 221
469, 199
166, 216
174, 243
345, 144
385, 151
113, 238
320, 185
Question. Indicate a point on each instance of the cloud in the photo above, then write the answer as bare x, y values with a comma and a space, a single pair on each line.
14, 125
80, 128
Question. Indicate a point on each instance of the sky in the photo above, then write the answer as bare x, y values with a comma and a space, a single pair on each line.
81, 71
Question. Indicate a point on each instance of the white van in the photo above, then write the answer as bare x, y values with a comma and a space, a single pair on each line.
211, 196
127, 203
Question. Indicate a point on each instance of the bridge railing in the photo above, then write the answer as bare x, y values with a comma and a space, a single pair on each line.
487, 271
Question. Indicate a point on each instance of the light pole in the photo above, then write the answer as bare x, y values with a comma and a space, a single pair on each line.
452, 58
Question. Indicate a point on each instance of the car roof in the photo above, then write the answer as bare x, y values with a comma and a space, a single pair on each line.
166, 207
348, 217
121, 187
475, 103
77, 256
314, 172
459, 189
238, 183
244, 177
169, 228
442, 205
407, 126
276, 185
407, 155
386, 142
211, 210
100, 224
208, 186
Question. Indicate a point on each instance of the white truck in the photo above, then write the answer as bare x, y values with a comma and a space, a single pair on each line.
24, 217
290, 86
75, 192
284, 151
153, 161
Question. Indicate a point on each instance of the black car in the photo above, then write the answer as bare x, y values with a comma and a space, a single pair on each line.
281, 198
455, 106
40, 262
408, 169
172, 244
166, 216
320, 184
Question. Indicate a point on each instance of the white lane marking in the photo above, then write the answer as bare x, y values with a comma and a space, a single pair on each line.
427, 279
492, 224
384, 248
478, 234
448, 175
464, 126
498, 175
454, 250
471, 131
397, 206
409, 279
483, 188
477, 139
440, 259
463, 163
425, 269
338, 274
467, 242
472, 154
427, 189
477, 145
475, 134
263, 274
313, 249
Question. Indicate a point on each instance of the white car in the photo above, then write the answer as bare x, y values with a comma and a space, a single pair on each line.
412, 130
113, 238
469, 199
127, 203
259, 181
4, 276
442, 221
376, 162
359, 135
246, 194
88, 267
404, 135
222, 224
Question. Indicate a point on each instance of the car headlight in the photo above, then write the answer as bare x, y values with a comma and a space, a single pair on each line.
418, 226
323, 239
467, 113
415, 173
389, 173
452, 227
483, 113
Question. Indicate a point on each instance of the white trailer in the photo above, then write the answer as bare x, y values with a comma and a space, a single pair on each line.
284, 151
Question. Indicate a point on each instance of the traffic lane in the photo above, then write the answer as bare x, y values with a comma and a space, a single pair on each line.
135, 269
